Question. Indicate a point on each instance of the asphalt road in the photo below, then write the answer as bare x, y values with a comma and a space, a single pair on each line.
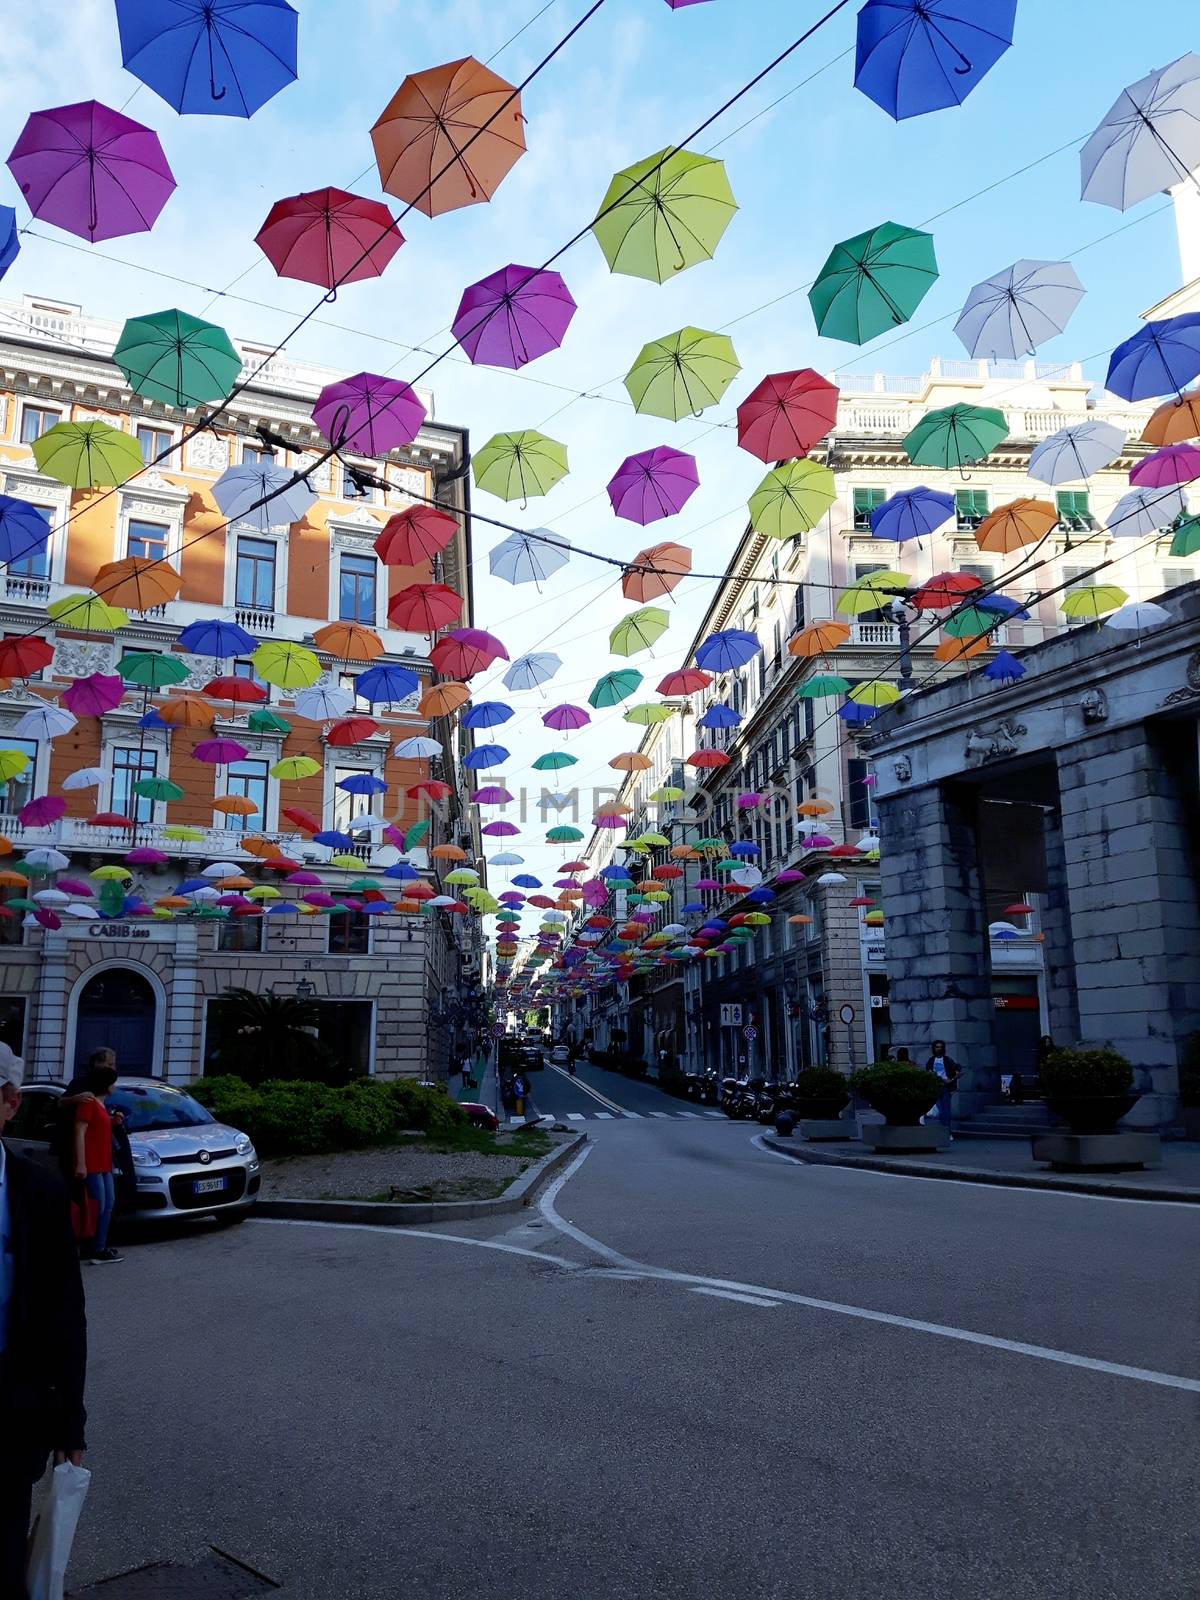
695, 1369
595, 1094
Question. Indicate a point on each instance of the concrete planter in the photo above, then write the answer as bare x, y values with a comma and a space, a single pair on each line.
1092, 1113
817, 1128
1084, 1152
887, 1137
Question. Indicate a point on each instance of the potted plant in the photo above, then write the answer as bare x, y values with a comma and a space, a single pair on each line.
1089, 1087
903, 1094
820, 1092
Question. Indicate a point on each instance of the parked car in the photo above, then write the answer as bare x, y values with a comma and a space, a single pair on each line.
480, 1116
186, 1164
559, 1056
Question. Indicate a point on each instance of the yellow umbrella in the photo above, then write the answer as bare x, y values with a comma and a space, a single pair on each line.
344, 859
87, 612
756, 919
12, 762
287, 666
858, 600
655, 840
263, 891
296, 767
1090, 603
178, 830
875, 694
111, 874
666, 795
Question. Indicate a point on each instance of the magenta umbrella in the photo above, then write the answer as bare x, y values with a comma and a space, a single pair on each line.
95, 695
47, 919
308, 880
144, 856
816, 841
500, 830
492, 794
609, 822
92, 171
40, 813
748, 801
706, 883
219, 752
75, 887
653, 484
513, 316
565, 719
369, 414
1175, 463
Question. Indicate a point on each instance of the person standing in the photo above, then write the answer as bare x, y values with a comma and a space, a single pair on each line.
93, 1157
43, 1335
949, 1071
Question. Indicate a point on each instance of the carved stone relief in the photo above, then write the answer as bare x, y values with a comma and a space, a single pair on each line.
78, 658
318, 475
1002, 740
208, 452
1191, 683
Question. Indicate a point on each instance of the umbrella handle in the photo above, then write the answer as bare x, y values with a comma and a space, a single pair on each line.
214, 92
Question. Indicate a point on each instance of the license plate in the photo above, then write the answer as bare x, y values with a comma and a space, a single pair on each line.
208, 1185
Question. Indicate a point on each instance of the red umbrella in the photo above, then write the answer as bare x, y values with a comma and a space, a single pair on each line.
235, 689
787, 414
425, 607
433, 787
708, 758
944, 590
329, 237
23, 655
350, 730
109, 819
414, 536
95, 695
302, 819
465, 652
686, 681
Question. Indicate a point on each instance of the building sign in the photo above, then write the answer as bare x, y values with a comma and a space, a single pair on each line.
1016, 1002
117, 930
731, 1016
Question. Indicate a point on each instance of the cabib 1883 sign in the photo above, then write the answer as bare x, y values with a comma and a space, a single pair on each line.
118, 930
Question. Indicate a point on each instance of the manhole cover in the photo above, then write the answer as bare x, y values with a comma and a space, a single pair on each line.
216, 1576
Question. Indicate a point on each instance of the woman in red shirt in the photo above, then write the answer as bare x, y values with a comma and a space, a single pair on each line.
94, 1159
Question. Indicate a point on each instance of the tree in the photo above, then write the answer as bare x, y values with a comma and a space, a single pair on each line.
260, 1036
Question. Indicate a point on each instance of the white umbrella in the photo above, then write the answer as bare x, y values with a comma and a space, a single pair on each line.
386, 856
1073, 454
441, 900
84, 778
204, 894
222, 869
45, 856
363, 821
239, 489
323, 703
416, 748
673, 927
529, 558
79, 909
52, 897
1134, 615
528, 671
1148, 141
1013, 312
507, 858
46, 722
1145, 511
832, 877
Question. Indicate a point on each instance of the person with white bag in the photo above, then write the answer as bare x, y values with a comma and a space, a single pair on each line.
43, 1360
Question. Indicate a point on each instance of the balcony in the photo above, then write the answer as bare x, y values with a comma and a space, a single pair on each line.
73, 833
876, 633
254, 619
30, 591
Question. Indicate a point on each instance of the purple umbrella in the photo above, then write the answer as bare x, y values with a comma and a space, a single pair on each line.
1176, 463
564, 719
219, 752
492, 794
95, 695
92, 171
500, 830
816, 841
40, 813
369, 414
653, 484
513, 316
144, 856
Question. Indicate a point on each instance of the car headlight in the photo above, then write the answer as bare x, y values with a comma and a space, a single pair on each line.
243, 1147
146, 1156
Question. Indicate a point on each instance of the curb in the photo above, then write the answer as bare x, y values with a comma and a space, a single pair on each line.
392, 1214
1113, 1189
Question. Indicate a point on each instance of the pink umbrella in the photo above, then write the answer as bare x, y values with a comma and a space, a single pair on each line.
47, 918
513, 316
144, 856
748, 801
369, 414
816, 841
92, 171
787, 414
1175, 463
304, 879
707, 883
465, 651
40, 813
492, 794
76, 887
219, 752
329, 237
653, 484
95, 695
500, 830
564, 719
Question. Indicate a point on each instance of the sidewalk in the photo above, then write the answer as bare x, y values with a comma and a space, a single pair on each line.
1009, 1163
484, 1092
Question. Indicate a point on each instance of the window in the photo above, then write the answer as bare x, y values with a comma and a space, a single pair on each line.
866, 501
859, 794
798, 614
350, 489
248, 778
247, 669
20, 789
242, 934
349, 680
1074, 510
34, 565
347, 805
971, 507
978, 569
254, 582
256, 455
130, 764
155, 444
357, 580
35, 420
349, 934
778, 643
1174, 577
1075, 578
147, 540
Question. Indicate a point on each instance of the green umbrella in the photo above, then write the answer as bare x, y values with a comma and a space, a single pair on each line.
638, 631
792, 499
873, 282
87, 455
955, 435
262, 721
684, 372
969, 622
1186, 540
157, 789
517, 465
564, 836
177, 358
1090, 602
614, 687
414, 835
647, 715
88, 612
663, 214
823, 686
151, 671
554, 761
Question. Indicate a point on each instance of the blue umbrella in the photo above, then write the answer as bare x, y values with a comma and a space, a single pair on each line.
854, 713
486, 755
911, 514
1159, 359
1000, 605
693, 908
761, 896
362, 783
719, 716
915, 56
191, 885
526, 881
402, 872
727, 651
221, 58
375, 908
613, 874
151, 719
24, 529
744, 848
331, 837
212, 637
487, 714
386, 683
527, 672
10, 242
285, 908
1003, 668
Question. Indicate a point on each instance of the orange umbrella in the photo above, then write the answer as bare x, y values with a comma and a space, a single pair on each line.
447, 852
631, 761
443, 699
422, 136
256, 845
187, 711
349, 640
799, 920
136, 583
6, 846
13, 880
238, 881
958, 649
235, 805
818, 638
409, 908
684, 852
1015, 525
813, 808
173, 902
1175, 421
655, 571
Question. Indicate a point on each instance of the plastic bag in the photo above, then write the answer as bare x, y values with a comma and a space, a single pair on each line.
54, 1532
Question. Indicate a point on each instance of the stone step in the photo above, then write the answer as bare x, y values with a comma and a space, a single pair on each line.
1006, 1130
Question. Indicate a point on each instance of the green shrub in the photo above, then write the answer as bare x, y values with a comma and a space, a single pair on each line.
429, 1111
902, 1093
1085, 1070
822, 1086
289, 1117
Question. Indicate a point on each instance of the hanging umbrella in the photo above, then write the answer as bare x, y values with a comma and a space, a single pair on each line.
638, 631
287, 666
443, 700
529, 558
1003, 668
518, 465
138, 584
487, 714
219, 752
187, 711
91, 170
24, 529
554, 761
243, 691
484, 756
12, 764
465, 651
150, 670
1176, 421
291, 768
664, 214
87, 455
953, 436
88, 613
369, 414
1186, 539
911, 514
44, 722
95, 695
945, 590
222, 58
387, 683
157, 789
1072, 454
10, 238
363, 783
787, 414
1013, 526
414, 536
968, 622
653, 484
84, 778
684, 372
727, 651
915, 56
719, 716
1145, 511
614, 687
527, 671
1091, 602
42, 812
449, 136
1174, 463
177, 358
1012, 313
655, 571
1149, 139
648, 715
873, 282
1136, 615
424, 607
818, 639
1160, 358
513, 316
823, 686
329, 237
792, 499
262, 497
322, 703
349, 641
687, 680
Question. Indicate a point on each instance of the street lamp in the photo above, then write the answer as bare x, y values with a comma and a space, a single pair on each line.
305, 990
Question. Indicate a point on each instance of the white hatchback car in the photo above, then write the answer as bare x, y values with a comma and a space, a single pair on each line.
559, 1056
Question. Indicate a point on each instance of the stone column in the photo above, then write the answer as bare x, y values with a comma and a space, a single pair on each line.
48, 1025
182, 1062
1062, 1001
938, 958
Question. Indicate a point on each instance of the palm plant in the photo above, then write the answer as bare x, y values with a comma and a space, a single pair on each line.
260, 1036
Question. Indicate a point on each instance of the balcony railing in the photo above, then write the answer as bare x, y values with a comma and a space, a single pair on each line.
254, 619
34, 591
73, 833
876, 633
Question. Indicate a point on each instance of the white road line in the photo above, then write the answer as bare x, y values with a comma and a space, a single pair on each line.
414, 1233
636, 1115
692, 1114
577, 1116
610, 1105
720, 1114
603, 1116
742, 1299
658, 1113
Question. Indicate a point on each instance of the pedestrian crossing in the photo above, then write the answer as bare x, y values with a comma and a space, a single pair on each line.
638, 1116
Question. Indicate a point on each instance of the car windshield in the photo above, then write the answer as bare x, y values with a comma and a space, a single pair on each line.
147, 1107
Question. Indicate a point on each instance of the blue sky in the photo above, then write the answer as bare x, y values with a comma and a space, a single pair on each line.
822, 164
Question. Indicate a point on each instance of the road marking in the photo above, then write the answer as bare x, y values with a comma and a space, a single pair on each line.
742, 1299
687, 1114
658, 1113
414, 1233
716, 1114
610, 1105
575, 1116
636, 1115
603, 1116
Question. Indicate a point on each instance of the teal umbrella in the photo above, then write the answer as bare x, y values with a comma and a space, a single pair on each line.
614, 687
177, 358
955, 435
873, 282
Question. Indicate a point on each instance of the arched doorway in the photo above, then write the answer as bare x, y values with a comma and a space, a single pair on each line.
117, 1008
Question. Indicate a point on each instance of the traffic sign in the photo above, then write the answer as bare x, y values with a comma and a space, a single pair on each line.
497, 1030
731, 1016
847, 1014
750, 1032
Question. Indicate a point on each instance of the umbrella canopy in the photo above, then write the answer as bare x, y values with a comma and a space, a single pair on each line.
425, 607
84, 778
87, 455
968, 622
915, 56
386, 683
223, 58
263, 496
487, 714
684, 372
219, 752
1138, 614
638, 631
329, 237
1160, 358
554, 761
1015, 525
728, 650
955, 435
1003, 668
1145, 511
528, 671
1175, 422
792, 499
816, 640
614, 687
212, 636
529, 557
414, 536
24, 529
294, 767
138, 584
719, 716
1148, 140
685, 681
653, 484
287, 666
95, 695
513, 316
1174, 463
12, 763
177, 358
10, 238
243, 690
945, 590
187, 711
318, 704
349, 641
655, 571
664, 214
1090, 602
351, 731
41, 812
911, 514
1186, 540
44, 722
518, 465
1072, 454
648, 715
787, 414
91, 170
369, 414
1013, 312
465, 651
157, 789
449, 136
443, 699
873, 282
